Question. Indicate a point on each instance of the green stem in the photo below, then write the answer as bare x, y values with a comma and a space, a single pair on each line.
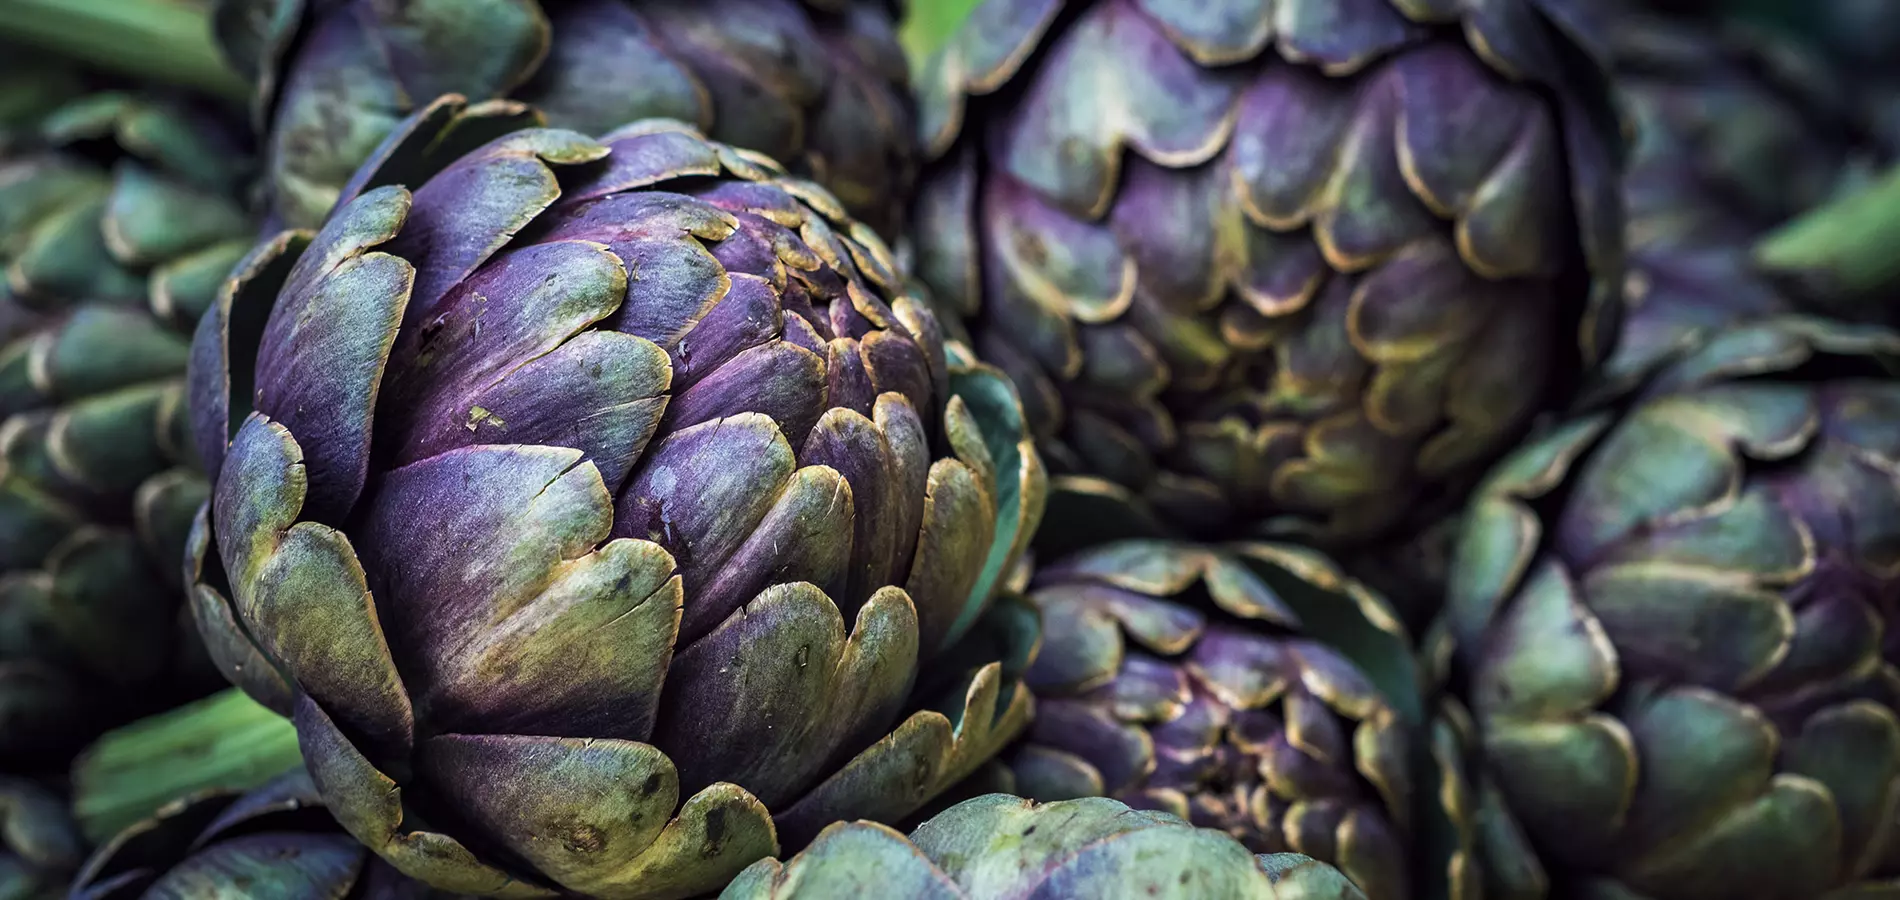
225, 742
158, 40
928, 25
1849, 247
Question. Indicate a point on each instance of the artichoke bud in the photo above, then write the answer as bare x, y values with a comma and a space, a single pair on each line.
593, 506
1737, 130
1674, 623
1306, 268
819, 85
276, 840
1252, 689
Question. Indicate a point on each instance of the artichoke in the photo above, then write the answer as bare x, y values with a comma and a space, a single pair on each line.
1736, 129
556, 469
40, 846
1677, 295
1676, 631
118, 218
1305, 265
817, 84
273, 843
160, 225
1175, 677
998, 847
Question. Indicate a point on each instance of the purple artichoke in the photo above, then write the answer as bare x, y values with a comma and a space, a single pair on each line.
1306, 265
1678, 635
1736, 129
548, 478
817, 84
1740, 129
273, 843
1177, 677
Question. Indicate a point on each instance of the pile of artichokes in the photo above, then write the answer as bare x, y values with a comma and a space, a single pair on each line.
803, 449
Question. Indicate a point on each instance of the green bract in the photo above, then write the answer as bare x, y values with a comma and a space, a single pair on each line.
594, 507
1307, 264
817, 84
1676, 627
998, 847
119, 215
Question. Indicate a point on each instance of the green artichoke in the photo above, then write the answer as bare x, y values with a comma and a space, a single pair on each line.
160, 224
817, 84
274, 843
118, 218
1676, 630
1176, 677
548, 475
998, 847
40, 846
1306, 265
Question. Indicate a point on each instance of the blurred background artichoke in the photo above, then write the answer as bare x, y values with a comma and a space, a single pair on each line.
819, 85
1303, 270
121, 211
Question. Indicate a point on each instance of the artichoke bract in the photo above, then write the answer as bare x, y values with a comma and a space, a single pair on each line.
593, 506
1737, 129
273, 843
1680, 292
120, 213
1303, 265
999, 847
1676, 631
40, 845
819, 85
1175, 677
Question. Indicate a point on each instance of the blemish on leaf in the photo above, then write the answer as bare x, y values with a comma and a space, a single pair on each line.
478, 415
715, 833
583, 839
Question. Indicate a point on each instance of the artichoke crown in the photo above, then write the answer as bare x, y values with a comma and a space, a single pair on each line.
595, 506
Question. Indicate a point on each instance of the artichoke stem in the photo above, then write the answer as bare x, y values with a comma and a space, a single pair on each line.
928, 25
225, 742
1849, 247
160, 40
